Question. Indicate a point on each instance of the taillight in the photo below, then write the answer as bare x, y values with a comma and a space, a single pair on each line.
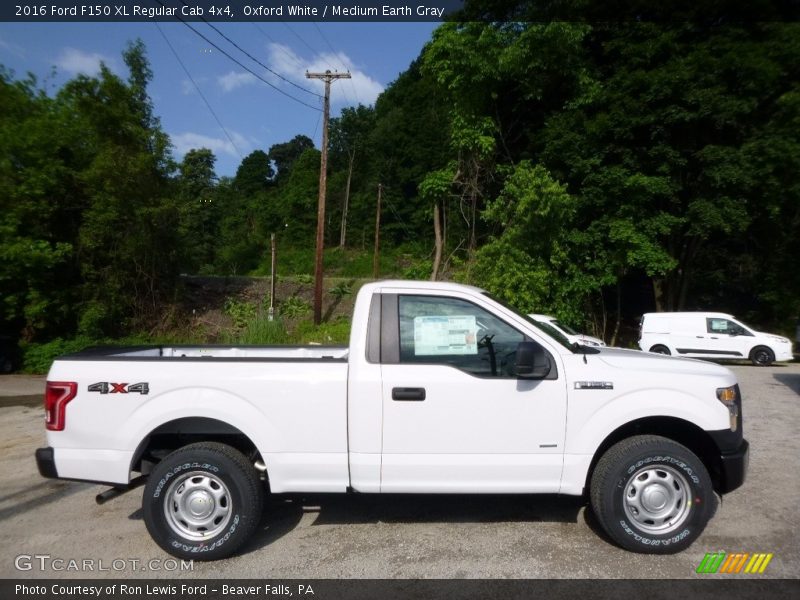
56, 396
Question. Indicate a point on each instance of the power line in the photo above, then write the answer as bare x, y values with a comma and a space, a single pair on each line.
254, 74
336, 54
305, 43
314, 52
255, 60
280, 46
199, 91
400, 220
293, 57
316, 127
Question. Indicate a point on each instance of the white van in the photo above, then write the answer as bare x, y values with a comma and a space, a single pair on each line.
567, 331
710, 335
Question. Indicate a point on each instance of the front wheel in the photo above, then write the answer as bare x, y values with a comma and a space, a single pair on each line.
203, 501
761, 356
652, 495
660, 349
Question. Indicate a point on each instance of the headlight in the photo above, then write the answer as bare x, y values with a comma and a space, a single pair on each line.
728, 397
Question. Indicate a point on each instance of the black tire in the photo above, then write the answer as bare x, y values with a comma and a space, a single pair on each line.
212, 482
761, 356
655, 469
660, 349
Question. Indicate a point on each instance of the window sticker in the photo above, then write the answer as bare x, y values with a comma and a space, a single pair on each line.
719, 325
435, 335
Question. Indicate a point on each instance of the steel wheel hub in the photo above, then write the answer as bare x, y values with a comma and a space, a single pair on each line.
197, 505
657, 499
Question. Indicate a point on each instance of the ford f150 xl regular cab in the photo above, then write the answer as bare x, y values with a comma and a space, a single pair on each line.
442, 390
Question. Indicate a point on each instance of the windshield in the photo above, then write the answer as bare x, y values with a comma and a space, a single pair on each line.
545, 327
566, 328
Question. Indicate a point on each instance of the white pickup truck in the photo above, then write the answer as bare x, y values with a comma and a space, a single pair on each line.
442, 390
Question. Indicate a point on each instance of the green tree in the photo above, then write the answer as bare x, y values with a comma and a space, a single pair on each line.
126, 244
298, 196
348, 139
659, 145
40, 203
199, 211
239, 245
529, 263
254, 174
408, 141
284, 155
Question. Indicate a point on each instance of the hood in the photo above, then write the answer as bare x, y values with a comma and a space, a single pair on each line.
774, 336
621, 358
588, 339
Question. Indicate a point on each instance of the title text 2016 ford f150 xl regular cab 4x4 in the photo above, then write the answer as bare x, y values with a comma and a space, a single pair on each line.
442, 390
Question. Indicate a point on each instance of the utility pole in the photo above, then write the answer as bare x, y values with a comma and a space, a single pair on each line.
272, 278
375, 255
327, 77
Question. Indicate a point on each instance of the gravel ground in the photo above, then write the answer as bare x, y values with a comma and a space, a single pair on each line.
400, 536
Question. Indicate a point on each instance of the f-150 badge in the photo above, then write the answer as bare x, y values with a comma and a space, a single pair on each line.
594, 385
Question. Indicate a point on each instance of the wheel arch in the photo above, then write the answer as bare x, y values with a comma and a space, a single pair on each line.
670, 350
180, 432
678, 430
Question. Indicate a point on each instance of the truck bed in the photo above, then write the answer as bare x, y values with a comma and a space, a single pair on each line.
263, 353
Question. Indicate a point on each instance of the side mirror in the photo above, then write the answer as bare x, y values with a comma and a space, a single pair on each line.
532, 361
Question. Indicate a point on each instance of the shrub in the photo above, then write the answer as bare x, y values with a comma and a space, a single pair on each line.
241, 312
294, 307
37, 358
334, 332
261, 331
341, 290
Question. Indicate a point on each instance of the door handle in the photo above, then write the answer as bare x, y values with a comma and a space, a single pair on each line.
700, 337
408, 394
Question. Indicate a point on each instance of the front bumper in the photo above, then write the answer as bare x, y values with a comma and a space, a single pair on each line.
46, 462
734, 467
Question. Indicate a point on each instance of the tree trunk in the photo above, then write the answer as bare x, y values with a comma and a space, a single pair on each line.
445, 221
473, 241
619, 313
343, 233
437, 233
658, 294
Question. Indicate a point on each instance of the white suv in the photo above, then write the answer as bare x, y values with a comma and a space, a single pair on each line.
710, 335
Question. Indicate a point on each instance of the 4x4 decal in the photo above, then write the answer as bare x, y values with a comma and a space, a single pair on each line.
105, 387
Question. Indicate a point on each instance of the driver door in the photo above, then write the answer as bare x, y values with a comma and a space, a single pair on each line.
727, 339
455, 416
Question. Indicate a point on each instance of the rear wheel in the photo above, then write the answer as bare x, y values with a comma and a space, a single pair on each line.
652, 495
660, 349
203, 501
761, 356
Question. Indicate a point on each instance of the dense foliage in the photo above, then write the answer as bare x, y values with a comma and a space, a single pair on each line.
594, 171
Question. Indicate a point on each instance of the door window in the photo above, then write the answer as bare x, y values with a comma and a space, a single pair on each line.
725, 326
455, 332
